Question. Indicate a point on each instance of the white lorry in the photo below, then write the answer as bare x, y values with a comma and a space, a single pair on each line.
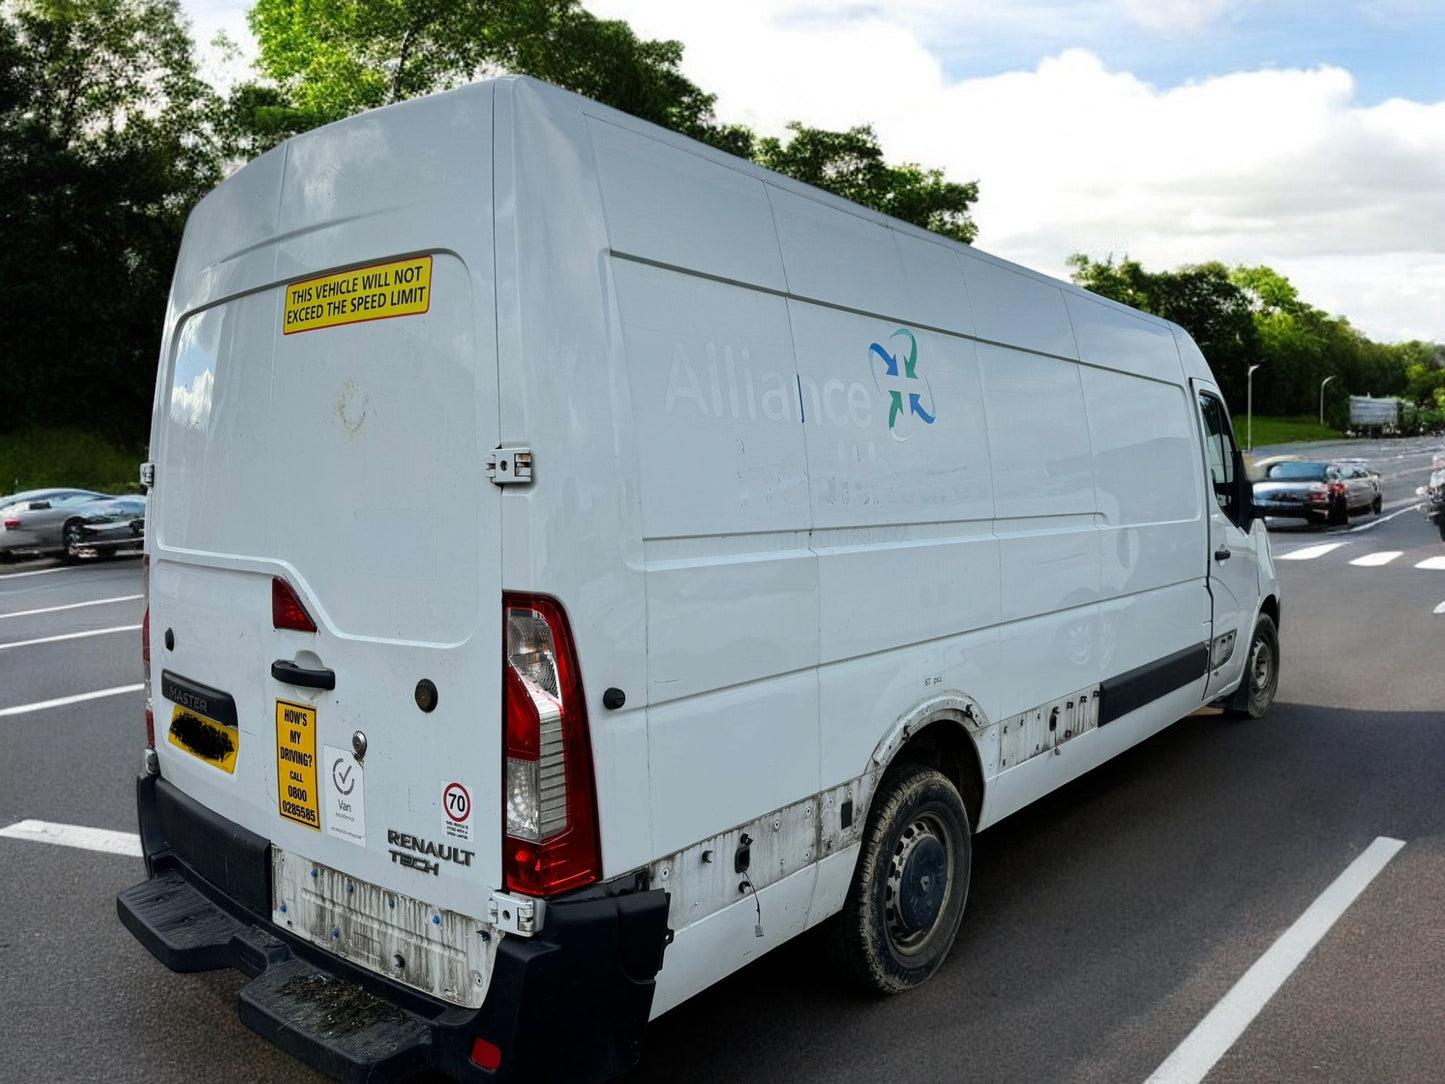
581, 560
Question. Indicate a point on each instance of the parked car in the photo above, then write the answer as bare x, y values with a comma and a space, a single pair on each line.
1317, 491
43, 521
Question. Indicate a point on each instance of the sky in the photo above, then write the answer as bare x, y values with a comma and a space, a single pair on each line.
1304, 135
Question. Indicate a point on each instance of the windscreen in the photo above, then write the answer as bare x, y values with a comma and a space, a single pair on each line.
1296, 472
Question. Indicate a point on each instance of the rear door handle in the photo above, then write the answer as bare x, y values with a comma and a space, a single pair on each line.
291, 674
1221, 554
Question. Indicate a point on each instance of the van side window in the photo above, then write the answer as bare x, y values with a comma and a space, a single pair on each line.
1219, 452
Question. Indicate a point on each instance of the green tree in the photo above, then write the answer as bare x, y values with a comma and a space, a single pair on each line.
850, 164
102, 153
1201, 299
321, 60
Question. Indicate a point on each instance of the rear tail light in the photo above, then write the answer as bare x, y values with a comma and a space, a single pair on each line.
13, 523
550, 842
286, 609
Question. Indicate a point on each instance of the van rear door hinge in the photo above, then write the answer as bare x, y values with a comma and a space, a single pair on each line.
147, 475
510, 466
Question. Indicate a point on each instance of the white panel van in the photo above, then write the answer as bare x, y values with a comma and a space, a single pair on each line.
580, 561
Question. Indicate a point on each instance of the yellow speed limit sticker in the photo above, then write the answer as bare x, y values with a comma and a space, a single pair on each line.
378, 292
296, 763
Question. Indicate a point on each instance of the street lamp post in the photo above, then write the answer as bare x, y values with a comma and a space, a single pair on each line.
1323, 382
1249, 410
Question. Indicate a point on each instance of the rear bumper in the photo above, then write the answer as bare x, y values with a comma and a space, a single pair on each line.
568, 1004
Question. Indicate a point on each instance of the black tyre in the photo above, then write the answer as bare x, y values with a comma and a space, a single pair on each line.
70, 539
1339, 513
1261, 672
1441, 526
905, 904
1377, 505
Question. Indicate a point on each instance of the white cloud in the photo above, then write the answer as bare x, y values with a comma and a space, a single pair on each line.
1177, 17
1277, 167
1284, 167
191, 404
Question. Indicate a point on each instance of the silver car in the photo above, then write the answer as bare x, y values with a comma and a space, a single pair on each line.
1317, 491
41, 521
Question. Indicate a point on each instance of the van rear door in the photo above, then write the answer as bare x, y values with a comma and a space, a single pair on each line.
320, 448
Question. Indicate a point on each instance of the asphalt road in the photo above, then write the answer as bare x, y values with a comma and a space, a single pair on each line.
1105, 922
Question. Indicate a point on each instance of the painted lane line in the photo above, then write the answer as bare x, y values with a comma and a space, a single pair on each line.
1432, 562
23, 709
1372, 524
75, 835
1440, 609
1216, 1033
1374, 560
1309, 553
69, 636
72, 606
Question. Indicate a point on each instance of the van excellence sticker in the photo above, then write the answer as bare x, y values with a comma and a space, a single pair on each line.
378, 292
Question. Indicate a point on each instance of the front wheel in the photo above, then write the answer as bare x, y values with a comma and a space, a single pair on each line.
905, 904
71, 540
1377, 505
1261, 672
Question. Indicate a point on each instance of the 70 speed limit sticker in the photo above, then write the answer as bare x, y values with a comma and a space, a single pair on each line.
457, 811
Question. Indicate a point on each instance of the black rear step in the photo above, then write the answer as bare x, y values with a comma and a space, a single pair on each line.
206, 904
335, 1025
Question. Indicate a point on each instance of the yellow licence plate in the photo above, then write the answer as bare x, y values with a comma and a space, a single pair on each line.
296, 787
215, 743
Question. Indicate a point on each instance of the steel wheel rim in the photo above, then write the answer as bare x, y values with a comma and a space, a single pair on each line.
905, 939
1261, 665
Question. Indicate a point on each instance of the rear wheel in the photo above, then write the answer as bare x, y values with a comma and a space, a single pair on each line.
905, 904
1261, 672
1339, 513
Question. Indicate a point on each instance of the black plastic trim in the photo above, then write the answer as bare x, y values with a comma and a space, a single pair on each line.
1120, 695
594, 965
291, 674
201, 699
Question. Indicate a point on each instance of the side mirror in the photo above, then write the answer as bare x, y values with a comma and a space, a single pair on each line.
1243, 494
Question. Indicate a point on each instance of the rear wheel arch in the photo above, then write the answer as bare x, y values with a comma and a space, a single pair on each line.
938, 733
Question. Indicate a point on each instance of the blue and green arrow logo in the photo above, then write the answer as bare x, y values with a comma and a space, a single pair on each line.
891, 375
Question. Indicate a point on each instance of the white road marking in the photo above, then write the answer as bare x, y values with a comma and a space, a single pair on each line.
75, 835
1440, 609
1216, 1033
39, 572
1432, 562
69, 636
72, 606
23, 709
1374, 560
1309, 553
1372, 524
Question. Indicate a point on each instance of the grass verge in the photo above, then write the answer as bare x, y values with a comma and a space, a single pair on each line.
1272, 430
37, 458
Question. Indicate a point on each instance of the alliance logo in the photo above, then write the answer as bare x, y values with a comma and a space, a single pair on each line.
890, 375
